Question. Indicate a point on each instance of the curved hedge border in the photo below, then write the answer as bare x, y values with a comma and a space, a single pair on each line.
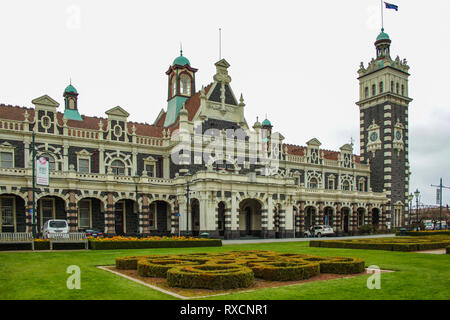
210, 276
236, 269
393, 244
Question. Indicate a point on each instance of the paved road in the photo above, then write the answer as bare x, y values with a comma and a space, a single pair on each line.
243, 241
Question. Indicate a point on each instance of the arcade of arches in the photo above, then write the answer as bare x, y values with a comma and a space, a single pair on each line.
159, 216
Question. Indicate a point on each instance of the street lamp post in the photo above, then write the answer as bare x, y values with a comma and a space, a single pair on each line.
417, 193
136, 181
410, 198
188, 176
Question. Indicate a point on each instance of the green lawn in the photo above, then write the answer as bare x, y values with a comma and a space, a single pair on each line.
42, 275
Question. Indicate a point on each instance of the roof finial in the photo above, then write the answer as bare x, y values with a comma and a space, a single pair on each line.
70, 80
181, 48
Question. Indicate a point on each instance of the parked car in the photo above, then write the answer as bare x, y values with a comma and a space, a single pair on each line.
51, 228
93, 233
320, 231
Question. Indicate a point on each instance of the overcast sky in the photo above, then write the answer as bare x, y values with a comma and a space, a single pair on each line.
295, 61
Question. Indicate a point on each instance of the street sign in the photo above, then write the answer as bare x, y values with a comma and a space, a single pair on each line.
42, 172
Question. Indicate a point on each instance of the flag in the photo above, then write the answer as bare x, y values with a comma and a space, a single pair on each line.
391, 6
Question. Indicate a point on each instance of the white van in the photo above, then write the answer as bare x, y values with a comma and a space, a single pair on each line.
54, 228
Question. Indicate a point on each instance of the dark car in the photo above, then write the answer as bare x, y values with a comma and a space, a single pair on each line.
93, 233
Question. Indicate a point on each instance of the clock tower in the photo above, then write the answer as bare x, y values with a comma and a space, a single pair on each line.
383, 104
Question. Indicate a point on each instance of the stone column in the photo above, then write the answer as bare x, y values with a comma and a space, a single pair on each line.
110, 225
320, 216
369, 214
175, 221
301, 218
72, 213
338, 220
143, 217
383, 218
354, 219
282, 222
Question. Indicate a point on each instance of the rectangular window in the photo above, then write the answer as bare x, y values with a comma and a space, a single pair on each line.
366, 92
7, 210
83, 165
6, 159
84, 213
150, 168
46, 210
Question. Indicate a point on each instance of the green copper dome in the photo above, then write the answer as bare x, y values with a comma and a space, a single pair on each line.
181, 61
70, 89
383, 36
266, 123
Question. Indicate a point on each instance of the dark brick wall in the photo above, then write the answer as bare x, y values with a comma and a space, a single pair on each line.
377, 165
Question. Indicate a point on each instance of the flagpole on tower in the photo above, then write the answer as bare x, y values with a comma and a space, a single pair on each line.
220, 43
382, 15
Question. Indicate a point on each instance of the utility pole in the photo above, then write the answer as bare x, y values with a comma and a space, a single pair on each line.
440, 186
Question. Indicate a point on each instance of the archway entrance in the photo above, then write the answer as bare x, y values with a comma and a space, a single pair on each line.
50, 207
221, 219
345, 219
360, 214
250, 218
310, 217
158, 218
328, 216
195, 217
12, 213
91, 214
375, 217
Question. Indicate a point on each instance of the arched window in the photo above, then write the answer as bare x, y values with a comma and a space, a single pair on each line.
118, 167
51, 161
392, 86
397, 87
174, 86
381, 87
313, 183
346, 185
366, 92
185, 84
403, 90
374, 89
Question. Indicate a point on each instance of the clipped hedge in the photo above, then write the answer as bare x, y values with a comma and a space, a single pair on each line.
342, 265
235, 269
285, 271
210, 277
428, 233
406, 244
158, 267
111, 245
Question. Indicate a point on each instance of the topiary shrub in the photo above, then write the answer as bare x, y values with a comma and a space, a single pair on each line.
285, 271
341, 265
210, 277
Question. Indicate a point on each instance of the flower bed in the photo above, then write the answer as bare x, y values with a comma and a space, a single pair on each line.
389, 244
236, 269
151, 242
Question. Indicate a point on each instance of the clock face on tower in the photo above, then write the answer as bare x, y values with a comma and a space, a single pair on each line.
398, 135
374, 136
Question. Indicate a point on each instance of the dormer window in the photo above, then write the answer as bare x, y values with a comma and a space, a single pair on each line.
185, 83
